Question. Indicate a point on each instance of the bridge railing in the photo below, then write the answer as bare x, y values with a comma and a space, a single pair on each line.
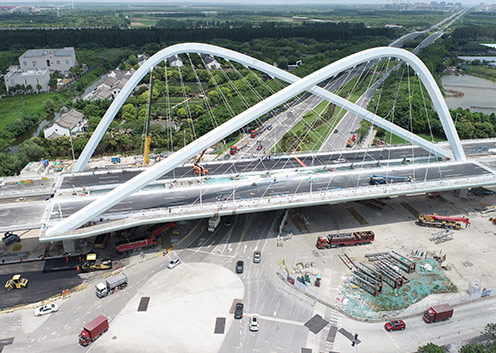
124, 220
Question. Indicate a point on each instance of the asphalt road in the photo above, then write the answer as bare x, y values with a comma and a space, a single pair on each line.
281, 315
41, 284
233, 166
267, 187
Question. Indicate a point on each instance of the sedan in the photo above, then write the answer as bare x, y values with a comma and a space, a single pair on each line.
173, 263
238, 313
259, 147
46, 309
396, 325
239, 266
254, 322
257, 257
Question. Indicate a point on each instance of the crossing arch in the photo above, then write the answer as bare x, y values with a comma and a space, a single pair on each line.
297, 86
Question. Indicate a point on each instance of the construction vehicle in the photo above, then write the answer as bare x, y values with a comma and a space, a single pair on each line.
438, 313
93, 329
213, 223
101, 241
351, 141
148, 138
233, 150
111, 285
345, 239
149, 242
94, 264
16, 282
10, 237
199, 169
436, 221
385, 179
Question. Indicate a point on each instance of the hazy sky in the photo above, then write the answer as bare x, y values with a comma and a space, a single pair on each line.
251, 2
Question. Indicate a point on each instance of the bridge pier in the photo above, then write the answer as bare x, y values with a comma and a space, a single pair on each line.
69, 246
461, 193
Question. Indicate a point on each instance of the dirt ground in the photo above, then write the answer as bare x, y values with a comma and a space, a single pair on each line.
469, 252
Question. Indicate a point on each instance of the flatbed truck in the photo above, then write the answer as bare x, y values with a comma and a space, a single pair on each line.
345, 239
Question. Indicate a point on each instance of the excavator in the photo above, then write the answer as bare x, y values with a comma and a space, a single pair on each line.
16, 282
92, 264
436, 221
199, 169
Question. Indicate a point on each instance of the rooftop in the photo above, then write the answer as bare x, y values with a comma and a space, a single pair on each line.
70, 119
38, 53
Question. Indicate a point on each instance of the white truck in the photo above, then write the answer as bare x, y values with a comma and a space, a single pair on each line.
213, 223
111, 285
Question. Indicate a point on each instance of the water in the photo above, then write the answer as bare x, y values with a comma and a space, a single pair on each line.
478, 93
490, 59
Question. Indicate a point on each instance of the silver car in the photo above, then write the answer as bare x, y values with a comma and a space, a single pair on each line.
46, 309
254, 322
173, 263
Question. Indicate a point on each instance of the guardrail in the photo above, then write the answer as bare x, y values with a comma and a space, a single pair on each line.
273, 202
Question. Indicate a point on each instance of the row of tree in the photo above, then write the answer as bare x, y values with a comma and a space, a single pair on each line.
112, 38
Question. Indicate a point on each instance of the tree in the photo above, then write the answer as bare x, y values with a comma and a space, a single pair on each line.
52, 83
490, 331
38, 87
430, 348
128, 112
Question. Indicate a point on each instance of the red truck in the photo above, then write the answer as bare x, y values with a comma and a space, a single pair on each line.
345, 239
438, 313
93, 329
146, 243
253, 133
233, 150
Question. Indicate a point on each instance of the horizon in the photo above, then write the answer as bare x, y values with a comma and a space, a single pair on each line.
261, 3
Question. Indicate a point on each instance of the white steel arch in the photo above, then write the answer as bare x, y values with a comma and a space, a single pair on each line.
298, 86
350, 61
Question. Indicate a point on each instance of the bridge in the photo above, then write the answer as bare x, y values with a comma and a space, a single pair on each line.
170, 191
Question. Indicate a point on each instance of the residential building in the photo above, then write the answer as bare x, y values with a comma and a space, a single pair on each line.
142, 58
70, 123
52, 59
175, 61
111, 86
210, 62
33, 78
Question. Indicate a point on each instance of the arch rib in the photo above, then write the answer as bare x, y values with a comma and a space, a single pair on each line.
298, 86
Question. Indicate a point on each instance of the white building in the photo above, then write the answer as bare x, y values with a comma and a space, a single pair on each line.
32, 78
175, 61
111, 86
210, 62
70, 123
52, 59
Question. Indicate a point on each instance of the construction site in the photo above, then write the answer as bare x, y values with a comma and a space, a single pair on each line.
393, 257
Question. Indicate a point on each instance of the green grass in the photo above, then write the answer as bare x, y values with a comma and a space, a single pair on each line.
391, 139
15, 107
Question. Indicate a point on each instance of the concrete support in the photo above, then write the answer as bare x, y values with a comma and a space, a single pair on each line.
461, 193
69, 246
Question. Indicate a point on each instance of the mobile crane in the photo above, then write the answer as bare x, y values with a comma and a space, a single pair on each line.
436, 221
148, 138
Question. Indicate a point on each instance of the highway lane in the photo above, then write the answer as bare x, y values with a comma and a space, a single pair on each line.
267, 186
245, 166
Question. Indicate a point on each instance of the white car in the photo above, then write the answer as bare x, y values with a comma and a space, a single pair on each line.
254, 322
46, 309
173, 263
